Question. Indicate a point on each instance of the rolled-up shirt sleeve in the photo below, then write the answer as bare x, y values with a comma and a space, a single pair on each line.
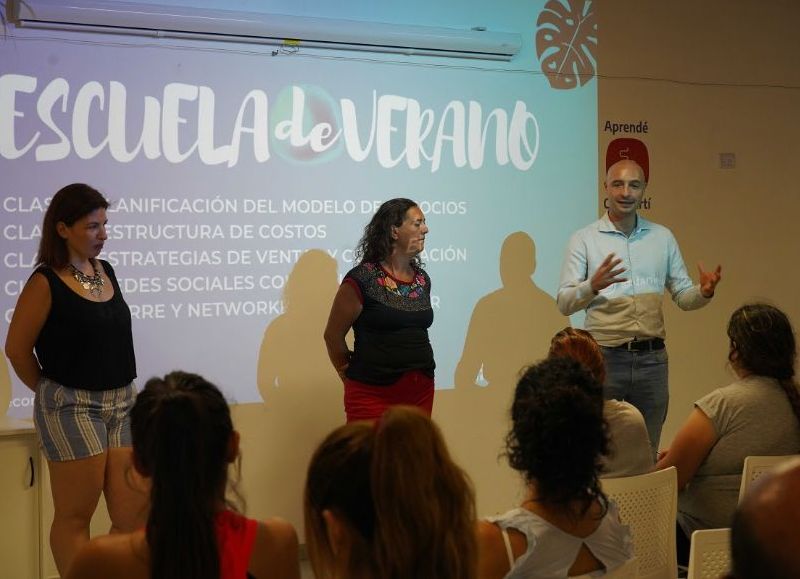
685, 293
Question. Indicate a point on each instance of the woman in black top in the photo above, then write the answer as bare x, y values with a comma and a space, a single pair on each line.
70, 342
386, 300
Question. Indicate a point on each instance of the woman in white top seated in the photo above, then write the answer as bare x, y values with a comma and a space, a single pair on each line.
565, 526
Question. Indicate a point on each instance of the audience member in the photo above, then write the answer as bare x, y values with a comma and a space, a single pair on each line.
565, 526
629, 446
183, 444
758, 414
386, 501
764, 538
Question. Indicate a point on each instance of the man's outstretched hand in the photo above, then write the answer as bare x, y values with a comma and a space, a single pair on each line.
709, 280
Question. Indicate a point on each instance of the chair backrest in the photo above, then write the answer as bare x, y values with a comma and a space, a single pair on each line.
755, 466
710, 554
648, 504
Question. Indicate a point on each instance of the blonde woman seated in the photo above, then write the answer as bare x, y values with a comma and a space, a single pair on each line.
386, 501
183, 443
565, 526
629, 446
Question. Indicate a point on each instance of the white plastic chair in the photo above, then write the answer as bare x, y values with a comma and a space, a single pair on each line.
710, 554
755, 466
648, 504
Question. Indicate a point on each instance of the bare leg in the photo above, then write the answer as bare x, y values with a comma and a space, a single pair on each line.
126, 493
76, 486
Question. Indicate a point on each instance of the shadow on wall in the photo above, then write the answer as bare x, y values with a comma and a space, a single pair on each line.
302, 393
510, 328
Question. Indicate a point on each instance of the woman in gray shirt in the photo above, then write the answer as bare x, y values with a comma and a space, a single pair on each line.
759, 414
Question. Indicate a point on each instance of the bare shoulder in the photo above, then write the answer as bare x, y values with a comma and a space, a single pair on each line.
276, 552
492, 558
109, 556
489, 533
35, 297
30, 314
348, 293
37, 286
280, 532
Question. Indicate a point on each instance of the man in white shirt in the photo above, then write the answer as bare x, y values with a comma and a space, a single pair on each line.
617, 269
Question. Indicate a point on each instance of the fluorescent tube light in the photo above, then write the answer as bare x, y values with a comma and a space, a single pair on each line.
278, 29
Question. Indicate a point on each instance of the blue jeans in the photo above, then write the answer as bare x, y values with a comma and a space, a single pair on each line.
640, 378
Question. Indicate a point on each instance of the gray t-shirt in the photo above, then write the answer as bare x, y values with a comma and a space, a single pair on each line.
751, 417
630, 453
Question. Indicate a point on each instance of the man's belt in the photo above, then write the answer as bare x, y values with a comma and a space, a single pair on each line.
645, 345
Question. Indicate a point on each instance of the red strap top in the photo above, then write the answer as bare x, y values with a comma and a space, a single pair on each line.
236, 535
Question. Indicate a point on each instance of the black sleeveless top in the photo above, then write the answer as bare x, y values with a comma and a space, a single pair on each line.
85, 344
391, 334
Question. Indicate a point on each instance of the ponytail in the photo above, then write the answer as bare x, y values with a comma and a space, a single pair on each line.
181, 430
790, 388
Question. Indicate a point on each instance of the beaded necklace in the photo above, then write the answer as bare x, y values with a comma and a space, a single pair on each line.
91, 283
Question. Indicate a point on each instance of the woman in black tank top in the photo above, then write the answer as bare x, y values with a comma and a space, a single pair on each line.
70, 342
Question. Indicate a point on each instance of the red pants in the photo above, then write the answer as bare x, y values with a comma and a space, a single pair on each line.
369, 402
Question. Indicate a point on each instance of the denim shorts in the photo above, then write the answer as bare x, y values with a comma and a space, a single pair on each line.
74, 423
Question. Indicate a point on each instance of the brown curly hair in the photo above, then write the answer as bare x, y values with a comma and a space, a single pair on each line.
559, 436
376, 243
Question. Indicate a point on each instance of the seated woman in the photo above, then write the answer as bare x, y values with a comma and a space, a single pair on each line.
183, 443
565, 526
386, 501
629, 446
758, 414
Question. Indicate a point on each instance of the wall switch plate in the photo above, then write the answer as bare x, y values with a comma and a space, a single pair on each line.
727, 160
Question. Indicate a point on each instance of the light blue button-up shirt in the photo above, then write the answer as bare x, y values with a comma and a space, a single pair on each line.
630, 309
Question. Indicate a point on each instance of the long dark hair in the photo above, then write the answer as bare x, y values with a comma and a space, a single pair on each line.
69, 204
410, 508
182, 431
376, 242
558, 435
763, 343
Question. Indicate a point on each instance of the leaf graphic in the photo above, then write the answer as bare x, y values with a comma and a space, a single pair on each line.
566, 38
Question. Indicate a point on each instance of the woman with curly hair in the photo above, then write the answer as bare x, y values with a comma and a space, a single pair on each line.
565, 526
758, 414
386, 299
388, 502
